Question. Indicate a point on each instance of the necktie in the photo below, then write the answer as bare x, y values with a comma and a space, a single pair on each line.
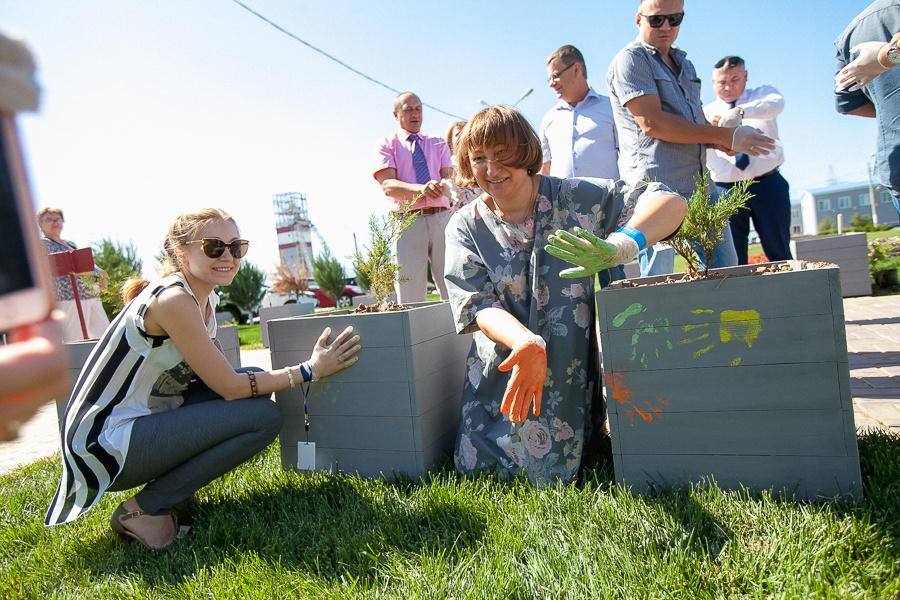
741, 161
419, 163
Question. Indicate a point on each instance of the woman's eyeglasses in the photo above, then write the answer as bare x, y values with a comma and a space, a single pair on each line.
656, 21
214, 247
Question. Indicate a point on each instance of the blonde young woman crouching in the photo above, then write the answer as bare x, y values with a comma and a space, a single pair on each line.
158, 405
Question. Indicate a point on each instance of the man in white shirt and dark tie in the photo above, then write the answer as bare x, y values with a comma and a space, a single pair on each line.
770, 206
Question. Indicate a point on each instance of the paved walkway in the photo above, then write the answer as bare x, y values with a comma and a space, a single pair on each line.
873, 339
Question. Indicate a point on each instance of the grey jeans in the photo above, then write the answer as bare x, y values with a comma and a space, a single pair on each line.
177, 452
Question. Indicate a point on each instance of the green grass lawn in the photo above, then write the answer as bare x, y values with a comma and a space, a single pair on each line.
250, 337
267, 533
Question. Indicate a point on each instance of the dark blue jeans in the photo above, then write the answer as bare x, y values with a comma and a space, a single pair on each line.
770, 210
177, 452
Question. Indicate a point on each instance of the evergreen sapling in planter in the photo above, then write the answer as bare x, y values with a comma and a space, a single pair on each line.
376, 264
705, 223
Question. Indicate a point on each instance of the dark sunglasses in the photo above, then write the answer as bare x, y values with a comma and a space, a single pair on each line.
732, 61
656, 21
214, 247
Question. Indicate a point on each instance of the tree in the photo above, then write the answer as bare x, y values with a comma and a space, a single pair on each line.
329, 274
290, 279
120, 262
248, 287
705, 223
362, 277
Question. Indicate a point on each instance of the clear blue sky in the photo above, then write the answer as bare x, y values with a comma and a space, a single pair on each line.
154, 108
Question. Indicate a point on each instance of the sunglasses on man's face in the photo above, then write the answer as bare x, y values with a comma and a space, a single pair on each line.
656, 21
731, 61
214, 247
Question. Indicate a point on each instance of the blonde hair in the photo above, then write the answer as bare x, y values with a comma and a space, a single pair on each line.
49, 211
499, 126
184, 229
449, 137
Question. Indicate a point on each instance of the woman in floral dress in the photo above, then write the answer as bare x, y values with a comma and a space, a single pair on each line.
532, 370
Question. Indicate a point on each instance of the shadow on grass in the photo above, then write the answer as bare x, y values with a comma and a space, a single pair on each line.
330, 527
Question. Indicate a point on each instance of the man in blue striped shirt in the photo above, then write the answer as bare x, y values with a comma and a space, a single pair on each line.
663, 133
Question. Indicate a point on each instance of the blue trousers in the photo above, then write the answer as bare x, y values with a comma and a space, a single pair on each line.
770, 210
177, 452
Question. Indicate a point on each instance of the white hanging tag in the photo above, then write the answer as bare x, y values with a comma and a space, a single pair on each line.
306, 456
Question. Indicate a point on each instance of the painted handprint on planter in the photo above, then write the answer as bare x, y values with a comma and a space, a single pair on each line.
730, 331
651, 337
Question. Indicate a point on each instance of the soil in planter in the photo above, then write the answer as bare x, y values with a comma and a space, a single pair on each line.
714, 274
373, 308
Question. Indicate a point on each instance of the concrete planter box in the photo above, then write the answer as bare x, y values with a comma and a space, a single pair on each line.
745, 380
396, 410
849, 251
279, 312
78, 355
231, 343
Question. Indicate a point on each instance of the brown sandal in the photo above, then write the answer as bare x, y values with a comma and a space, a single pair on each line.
123, 514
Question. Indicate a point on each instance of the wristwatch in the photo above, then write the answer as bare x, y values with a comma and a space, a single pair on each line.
893, 54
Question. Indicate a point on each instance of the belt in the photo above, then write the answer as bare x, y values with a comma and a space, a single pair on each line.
427, 211
757, 178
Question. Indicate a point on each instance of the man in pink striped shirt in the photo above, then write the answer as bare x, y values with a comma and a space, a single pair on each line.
412, 164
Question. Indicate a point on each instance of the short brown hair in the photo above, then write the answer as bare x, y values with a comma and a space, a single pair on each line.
569, 55
494, 126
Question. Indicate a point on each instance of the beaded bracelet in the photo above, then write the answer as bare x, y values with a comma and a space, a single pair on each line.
291, 377
254, 391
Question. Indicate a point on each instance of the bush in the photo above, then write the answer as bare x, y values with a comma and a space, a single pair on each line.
120, 262
826, 226
290, 279
861, 222
884, 254
247, 288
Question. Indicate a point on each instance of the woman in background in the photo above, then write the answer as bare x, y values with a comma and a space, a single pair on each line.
50, 221
459, 195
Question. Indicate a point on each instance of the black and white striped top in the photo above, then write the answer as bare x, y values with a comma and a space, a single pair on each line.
129, 374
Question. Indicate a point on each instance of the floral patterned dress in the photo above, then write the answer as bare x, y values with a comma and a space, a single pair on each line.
492, 263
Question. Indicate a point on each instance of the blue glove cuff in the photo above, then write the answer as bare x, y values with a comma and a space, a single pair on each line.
636, 235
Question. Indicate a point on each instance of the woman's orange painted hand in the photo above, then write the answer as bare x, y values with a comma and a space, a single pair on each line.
528, 363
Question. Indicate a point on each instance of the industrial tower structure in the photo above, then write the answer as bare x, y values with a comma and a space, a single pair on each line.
294, 229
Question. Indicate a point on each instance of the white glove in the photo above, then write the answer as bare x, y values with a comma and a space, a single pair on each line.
863, 69
752, 141
732, 118
18, 90
627, 248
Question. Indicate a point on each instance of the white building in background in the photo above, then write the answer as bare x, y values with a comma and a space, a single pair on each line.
294, 229
845, 199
